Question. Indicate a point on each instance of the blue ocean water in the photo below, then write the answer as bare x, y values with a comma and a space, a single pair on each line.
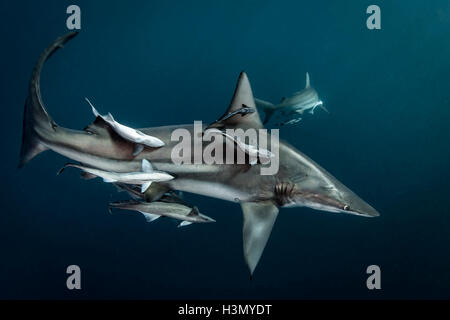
157, 63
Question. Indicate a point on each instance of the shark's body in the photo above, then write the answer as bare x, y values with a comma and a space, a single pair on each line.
292, 108
299, 181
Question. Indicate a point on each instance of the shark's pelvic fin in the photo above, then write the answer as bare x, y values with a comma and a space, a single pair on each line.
307, 81
87, 176
145, 186
259, 218
150, 216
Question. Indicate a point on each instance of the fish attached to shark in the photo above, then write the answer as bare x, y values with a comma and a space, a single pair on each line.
254, 152
293, 107
143, 178
156, 209
140, 139
299, 182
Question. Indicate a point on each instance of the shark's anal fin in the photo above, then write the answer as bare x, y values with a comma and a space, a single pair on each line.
259, 218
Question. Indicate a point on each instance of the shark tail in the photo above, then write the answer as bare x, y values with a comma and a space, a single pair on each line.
267, 107
36, 121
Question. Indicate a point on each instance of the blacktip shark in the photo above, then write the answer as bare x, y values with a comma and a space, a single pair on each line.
130, 134
154, 210
143, 178
295, 105
299, 182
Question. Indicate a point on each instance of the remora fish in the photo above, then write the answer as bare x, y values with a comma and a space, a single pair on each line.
154, 210
128, 133
144, 178
297, 104
299, 181
242, 111
252, 151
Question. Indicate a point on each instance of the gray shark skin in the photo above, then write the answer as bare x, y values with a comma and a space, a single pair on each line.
299, 181
295, 105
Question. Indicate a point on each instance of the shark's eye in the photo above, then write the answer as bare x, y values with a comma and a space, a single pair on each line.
346, 207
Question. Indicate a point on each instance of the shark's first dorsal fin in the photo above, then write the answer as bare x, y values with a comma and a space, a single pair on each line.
259, 218
307, 81
243, 96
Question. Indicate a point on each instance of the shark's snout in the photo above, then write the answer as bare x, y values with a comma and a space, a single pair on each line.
356, 205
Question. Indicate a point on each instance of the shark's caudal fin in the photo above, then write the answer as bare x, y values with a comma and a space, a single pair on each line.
259, 218
36, 120
267, 107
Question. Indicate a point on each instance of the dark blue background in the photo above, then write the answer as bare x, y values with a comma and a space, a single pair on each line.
170, 62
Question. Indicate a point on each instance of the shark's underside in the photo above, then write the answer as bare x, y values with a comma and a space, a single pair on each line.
298, 182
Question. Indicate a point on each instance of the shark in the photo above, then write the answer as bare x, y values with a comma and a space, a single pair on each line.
156, 209
299, 181
293, 106
143, 178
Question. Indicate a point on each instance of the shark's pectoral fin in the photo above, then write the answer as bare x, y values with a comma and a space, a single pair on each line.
184, 223
259, 218
150, 216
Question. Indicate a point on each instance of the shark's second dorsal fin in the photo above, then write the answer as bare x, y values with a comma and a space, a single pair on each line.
307, 81
243, 96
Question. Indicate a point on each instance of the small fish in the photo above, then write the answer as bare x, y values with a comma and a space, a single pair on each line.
242, 111
154, 210
252, 151
130, 134
292, 121
144, 178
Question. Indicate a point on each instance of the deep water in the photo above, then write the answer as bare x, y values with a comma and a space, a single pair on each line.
157, 63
